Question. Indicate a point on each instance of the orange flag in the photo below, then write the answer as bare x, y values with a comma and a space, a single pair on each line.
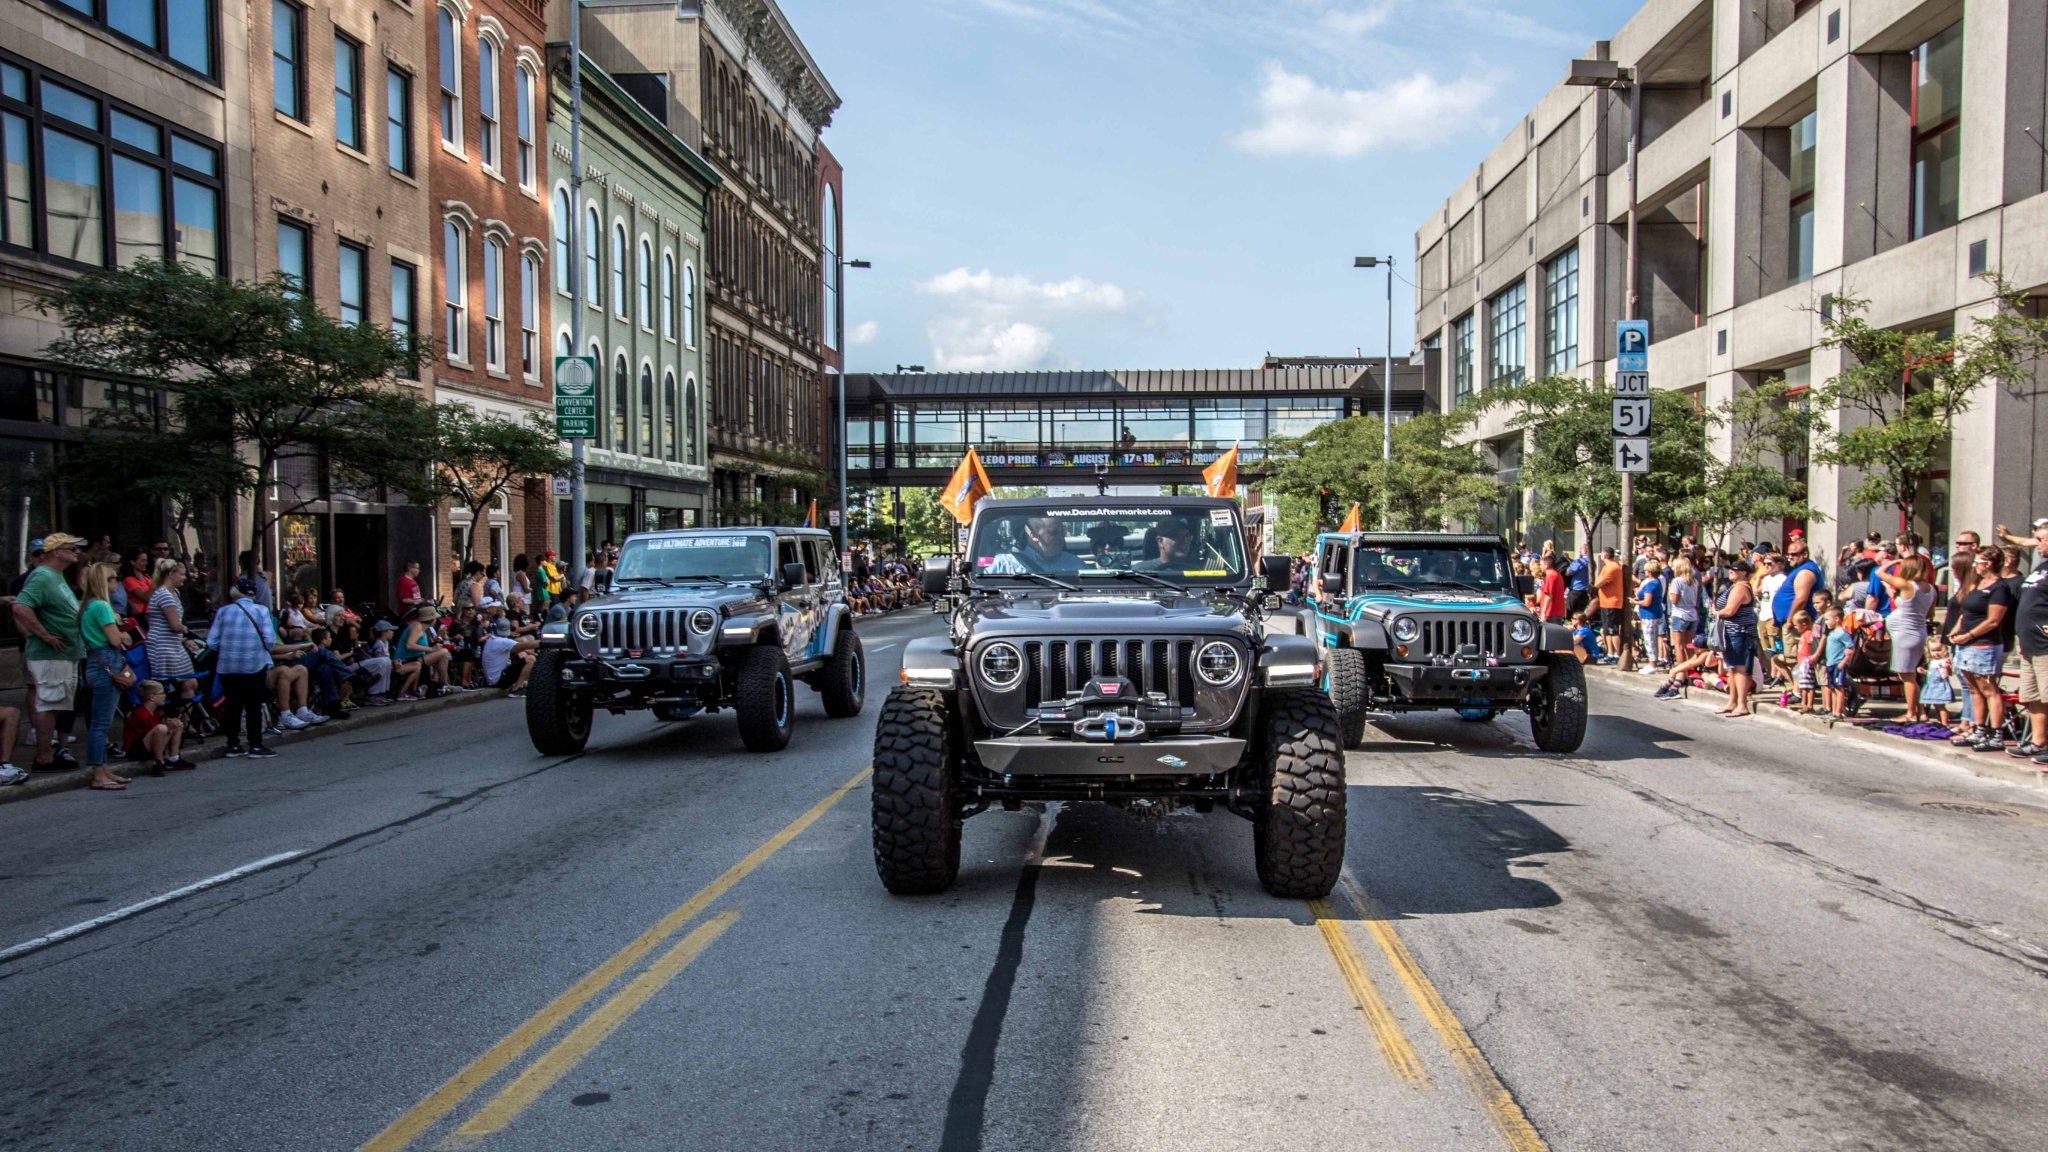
811, 520
967, 486
1350, 523
1221, 476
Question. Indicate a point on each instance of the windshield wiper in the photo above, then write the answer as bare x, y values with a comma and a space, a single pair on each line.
1041, 577
1149, 578
1460, 584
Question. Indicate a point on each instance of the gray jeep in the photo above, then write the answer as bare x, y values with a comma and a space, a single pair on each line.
1108, 649
1421, 621
697, 620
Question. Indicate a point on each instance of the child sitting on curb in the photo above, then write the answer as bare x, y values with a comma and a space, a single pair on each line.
150, 735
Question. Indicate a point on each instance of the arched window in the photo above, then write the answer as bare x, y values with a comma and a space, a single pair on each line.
618, 270
644, 273
451, 79
564, 267
828, 266
668, 295
690, 420
621, 391
487, 101
669, 418
689, 306
494, 303
593, 279
649, 446
455, 279
562, 345
522, 95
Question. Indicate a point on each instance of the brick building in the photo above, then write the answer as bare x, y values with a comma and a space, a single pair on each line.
485, 112
339, 166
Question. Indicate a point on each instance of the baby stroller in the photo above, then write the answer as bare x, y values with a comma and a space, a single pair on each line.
202, 719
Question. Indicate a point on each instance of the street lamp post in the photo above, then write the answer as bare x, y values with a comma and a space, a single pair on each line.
1612, 76
576, 489
1386, 379
840, 265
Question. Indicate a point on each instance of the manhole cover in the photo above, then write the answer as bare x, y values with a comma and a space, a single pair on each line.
1969, 809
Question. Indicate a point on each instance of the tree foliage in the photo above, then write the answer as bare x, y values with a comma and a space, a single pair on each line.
1765, 426
476, 458
1900, 392
1431, 480
253, 367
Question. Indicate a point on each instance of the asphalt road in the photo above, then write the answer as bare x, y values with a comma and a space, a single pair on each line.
1695, 934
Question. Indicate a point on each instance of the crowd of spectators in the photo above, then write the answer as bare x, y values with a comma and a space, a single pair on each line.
874, 586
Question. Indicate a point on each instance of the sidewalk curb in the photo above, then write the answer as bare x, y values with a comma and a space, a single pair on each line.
1990, 765
44, 783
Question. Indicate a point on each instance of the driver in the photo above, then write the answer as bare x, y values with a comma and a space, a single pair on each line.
1044, 550
1174, 541
1370, 570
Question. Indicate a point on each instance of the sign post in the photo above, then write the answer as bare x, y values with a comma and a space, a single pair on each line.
1631, 427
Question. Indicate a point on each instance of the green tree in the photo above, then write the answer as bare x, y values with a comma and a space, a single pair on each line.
1899, 392
1433, 478
1569, 460
1765, 425
476, 458
928, 529
255, 368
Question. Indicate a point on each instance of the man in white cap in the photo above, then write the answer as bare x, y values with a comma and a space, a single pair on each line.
46, 612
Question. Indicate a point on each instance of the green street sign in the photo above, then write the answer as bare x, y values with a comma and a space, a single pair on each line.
576, 396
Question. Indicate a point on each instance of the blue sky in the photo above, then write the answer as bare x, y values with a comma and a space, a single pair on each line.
1158, 183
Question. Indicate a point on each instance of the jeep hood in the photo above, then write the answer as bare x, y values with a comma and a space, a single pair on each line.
1103, 614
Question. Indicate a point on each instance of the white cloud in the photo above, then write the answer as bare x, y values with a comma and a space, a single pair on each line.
863, 332
1301, 117
994, 323
1352, 23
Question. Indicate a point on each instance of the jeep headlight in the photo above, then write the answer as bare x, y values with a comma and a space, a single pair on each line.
1218, 663
1522, 631
1001, 665
1406, 629
703, 620
586, 625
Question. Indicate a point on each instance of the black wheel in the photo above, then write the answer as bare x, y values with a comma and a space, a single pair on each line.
916, 814
557, 719
1557, 705
1344, 680
843, 682
766, 699
1298, 831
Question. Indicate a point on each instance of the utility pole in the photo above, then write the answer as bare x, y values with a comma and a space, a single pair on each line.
1386, 382
839, 266
576, 540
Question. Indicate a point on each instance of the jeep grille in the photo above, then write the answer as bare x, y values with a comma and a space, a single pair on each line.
1053, 668
1445, 637
640, 631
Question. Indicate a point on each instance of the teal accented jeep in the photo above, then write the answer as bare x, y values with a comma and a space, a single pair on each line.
1421, 621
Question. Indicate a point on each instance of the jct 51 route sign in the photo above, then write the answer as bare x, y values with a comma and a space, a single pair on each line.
575, 396
1631, 415
1631, 383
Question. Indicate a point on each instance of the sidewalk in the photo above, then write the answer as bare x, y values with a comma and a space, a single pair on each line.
44, 783
1990, 765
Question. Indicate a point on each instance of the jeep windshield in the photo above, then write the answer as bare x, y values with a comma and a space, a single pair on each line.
1430, 566
678, 558
1181, 545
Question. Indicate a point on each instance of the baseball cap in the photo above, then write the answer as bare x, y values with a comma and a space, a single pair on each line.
35, 546
1741, 564
56, 540
383, 626
2041, 523
246, 585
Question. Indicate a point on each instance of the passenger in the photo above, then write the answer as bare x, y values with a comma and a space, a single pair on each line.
1044, 550
1173, 542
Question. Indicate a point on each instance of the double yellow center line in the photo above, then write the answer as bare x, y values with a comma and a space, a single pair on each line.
549, 1068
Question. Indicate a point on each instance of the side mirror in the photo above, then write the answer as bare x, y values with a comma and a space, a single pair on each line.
1331, 582
792, 574
1525, 585
938, 575
1278, 571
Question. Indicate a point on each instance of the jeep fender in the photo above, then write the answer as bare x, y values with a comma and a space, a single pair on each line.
743, 630
1557, 638
1368, 634
1288, 662
931, 662
835, 618
555, 634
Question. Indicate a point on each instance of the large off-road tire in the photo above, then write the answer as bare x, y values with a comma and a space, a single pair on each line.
765, 699
557, 719
916, 808
1557, 705
1344, 679
843, 682
1298, 829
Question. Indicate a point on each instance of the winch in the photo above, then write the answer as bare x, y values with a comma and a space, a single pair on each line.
1109, 709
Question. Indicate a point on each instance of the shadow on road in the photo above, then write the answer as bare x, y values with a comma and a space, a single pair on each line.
1432, 851
1608, 737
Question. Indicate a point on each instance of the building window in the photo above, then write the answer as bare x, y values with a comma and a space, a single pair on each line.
1561, 313
593, 280
671, 418
828, 267
644, 281
619, 270
1461, 357
179, 29
529, 316
1507, 317
348, 88
398, 120
352, 274
1799, 230
404, 299
668, 295
287, 58
1937, 130
451, 79
560, 225
494, 303
620, 387
649, 446
690, 420
522, 97
455, 277
487, 102
689, 306
294, 256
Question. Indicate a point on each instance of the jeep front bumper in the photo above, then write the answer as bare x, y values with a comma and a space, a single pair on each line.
653, 672
1453, 683
1163, 756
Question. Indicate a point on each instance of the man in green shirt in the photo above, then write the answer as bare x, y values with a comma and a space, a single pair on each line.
46, 611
